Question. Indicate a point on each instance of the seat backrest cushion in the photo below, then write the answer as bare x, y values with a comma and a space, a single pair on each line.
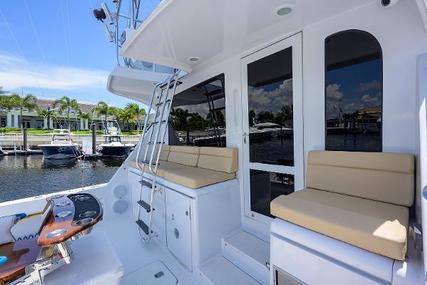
384, 177
164, 154
218, 159
186, 155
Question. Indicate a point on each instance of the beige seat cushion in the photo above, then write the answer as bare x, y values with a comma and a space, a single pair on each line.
385, 177
375, 226
164, 154
214, 165
192, 177
218, 158
185, 155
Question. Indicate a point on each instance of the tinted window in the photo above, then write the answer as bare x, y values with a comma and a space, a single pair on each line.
354, 92
266, 186
198, 115
270, 107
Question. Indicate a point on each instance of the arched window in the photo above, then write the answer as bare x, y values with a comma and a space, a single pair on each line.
353, 92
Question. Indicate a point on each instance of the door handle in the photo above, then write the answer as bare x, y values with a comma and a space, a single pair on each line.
245, 135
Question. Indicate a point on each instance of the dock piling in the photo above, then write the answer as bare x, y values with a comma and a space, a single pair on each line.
93, 128
25, 139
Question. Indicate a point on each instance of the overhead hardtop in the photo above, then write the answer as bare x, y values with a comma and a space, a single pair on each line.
212, 31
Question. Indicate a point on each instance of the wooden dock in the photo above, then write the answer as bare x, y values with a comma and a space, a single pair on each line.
20, 152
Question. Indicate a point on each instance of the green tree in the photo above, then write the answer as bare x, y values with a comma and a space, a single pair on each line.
102, 109
28, 102
138, 112
128, 117
67, 105
180, 119
47, 114
5, 102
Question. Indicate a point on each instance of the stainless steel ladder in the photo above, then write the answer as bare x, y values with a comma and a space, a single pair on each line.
151, 144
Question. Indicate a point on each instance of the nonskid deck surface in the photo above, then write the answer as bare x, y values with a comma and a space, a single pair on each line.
141, 263
141, 259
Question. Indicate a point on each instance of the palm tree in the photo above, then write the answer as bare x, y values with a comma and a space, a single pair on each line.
102, 109
127, 116
180, 121
47, 114
4, 102
28, 102
68, 105
138, 112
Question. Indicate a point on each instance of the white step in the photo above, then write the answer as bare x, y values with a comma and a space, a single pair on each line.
220, 271
249, 253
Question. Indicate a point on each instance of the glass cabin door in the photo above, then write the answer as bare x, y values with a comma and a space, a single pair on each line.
272, 125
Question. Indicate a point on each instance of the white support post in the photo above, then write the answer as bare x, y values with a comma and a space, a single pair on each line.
16, 121
9, 120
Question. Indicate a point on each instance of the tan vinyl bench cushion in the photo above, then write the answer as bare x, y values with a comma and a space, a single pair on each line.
164, 154
185, 155
375, 226
385, 177
195, 167
192, 177
218, 159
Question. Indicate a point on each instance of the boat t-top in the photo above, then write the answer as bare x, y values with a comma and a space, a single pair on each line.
61, 146
113, 145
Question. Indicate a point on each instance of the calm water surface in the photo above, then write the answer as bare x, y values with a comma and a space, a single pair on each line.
22, 177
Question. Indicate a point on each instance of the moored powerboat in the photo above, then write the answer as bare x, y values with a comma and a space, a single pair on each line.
113, 146
61, 146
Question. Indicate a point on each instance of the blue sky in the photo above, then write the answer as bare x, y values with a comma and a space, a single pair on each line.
55, 48
354, 88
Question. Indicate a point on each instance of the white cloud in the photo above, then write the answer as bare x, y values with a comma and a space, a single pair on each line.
271, 100
16, 72
363, 87
333, 92
369, 99
6, 59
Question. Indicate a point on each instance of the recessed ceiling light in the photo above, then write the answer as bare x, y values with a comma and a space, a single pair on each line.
194, 59
284, 10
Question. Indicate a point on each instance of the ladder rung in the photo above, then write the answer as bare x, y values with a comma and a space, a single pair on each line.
150, 143
148, 162
171, 84
155, 123
146, 183
161, 103
143, 226
145, 205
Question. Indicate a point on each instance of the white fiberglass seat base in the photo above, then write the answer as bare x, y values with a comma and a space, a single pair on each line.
314, 258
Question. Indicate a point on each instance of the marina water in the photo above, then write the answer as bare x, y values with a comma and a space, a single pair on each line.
28, 176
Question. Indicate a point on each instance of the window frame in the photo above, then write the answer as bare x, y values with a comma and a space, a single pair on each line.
370, 35
221, 78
